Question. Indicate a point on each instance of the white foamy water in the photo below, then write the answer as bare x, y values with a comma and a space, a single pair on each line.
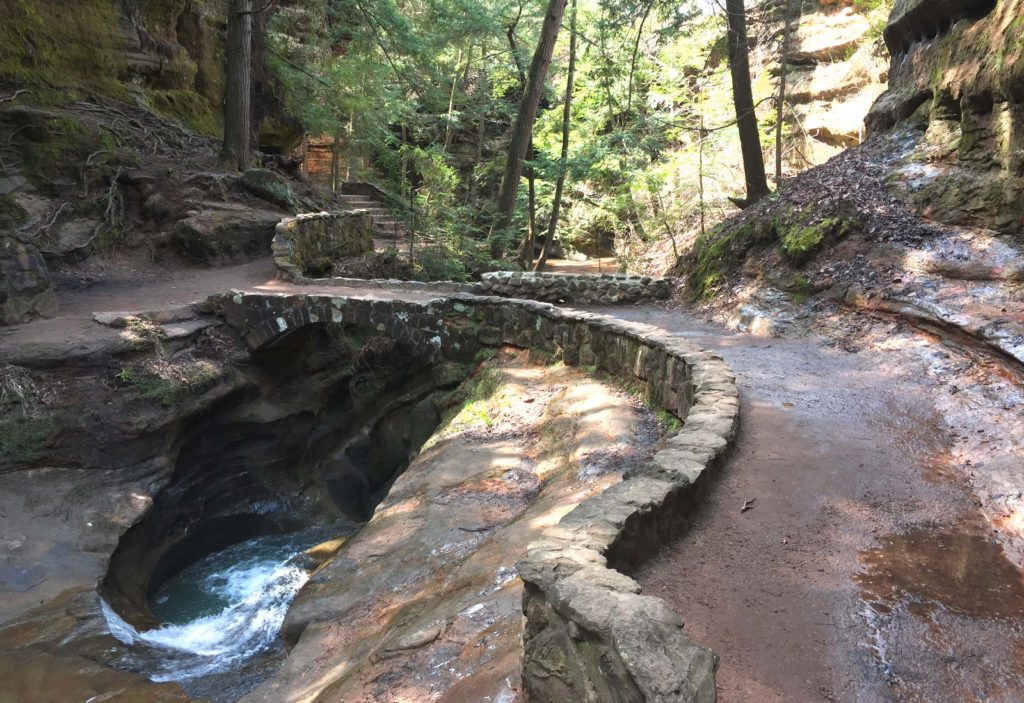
260, 598
222, 610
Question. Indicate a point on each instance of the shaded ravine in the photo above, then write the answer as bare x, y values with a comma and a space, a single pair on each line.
857, 574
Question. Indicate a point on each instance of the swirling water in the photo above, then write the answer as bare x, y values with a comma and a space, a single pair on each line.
223, 610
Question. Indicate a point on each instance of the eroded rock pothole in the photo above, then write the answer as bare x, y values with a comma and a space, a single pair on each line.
267, 501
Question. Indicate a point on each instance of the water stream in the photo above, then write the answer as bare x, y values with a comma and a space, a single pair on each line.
223, 610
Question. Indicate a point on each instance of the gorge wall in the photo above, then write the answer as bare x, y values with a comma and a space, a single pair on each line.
953, 112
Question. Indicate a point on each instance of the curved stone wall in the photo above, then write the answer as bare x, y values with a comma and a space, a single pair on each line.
590, 635
588, 289
307, 244
583, 288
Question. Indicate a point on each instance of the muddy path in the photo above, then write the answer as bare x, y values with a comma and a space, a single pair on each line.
864, 570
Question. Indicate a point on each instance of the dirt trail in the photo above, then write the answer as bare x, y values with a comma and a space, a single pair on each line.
864, 571
74, 334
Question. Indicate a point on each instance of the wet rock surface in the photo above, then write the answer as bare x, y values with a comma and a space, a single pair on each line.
424, 603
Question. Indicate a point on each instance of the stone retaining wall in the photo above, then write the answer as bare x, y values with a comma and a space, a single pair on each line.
308, 244
588, 289
444, 287
589, 634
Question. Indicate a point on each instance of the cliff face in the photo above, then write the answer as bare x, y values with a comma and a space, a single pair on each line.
836, 69
954, 109
162, 54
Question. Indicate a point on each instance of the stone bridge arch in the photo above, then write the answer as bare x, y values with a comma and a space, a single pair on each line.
267, 320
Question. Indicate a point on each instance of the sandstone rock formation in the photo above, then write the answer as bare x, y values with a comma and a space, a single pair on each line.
25, 289
836, 70
953, 108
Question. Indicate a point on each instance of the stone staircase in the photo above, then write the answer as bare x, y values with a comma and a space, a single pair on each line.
387, 225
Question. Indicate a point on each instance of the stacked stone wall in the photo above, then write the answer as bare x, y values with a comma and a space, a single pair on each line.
308, 244
590, 635
587, 289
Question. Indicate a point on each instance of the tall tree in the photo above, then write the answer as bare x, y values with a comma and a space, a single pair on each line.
238, 84
787, 31
523, 127
530, 240
563, 162
743, 99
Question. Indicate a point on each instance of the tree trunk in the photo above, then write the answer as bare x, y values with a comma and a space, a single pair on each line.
636, 52
335, 156
238, 85
780, 103
743, 99
523, 128
449, 133
563, 163
526, 255
481, 134
529, 243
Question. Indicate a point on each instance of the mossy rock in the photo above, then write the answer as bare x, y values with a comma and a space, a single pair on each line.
800, 240
11, 213
62, 49
269, 186
53, 146
190, 109
720, 251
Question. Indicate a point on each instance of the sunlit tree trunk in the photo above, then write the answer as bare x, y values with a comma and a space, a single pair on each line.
238, 85
743, 99
523, 128
526, 255
335, 157
563, 163
481, 134
780, 103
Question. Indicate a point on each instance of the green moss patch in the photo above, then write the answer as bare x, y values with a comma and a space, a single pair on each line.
22, 439
720, 251
61, 49
190, 109
53, 146
476, 402
11, 213
169, 383
799, 241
